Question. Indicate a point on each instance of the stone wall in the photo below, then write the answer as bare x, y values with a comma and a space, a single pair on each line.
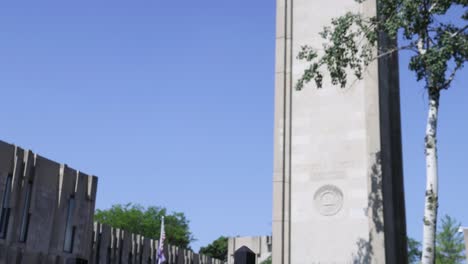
46, 216
112, 245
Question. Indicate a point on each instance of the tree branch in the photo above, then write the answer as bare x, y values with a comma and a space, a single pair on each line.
459, 31
451, 77
390, 51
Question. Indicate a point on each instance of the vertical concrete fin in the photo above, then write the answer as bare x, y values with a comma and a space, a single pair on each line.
90, 187
60, 186
76, 180
17, 165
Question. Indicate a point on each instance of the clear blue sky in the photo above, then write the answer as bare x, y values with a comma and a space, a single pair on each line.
170, 103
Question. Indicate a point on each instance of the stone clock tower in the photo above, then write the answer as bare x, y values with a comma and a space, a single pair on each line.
338, 181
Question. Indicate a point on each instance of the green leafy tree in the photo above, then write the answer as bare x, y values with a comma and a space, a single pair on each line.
147, 222
438, 44
450, 245
414, 251
218, 249
267, 261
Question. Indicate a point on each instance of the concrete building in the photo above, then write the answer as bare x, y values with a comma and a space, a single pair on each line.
260, 245
338, 178
46, 217
465, 233
115, 246
47, 209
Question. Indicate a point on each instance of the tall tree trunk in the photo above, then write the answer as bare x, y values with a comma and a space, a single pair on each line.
432, 192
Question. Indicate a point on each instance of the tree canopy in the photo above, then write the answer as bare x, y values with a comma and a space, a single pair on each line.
414, 251
267, 261
147, 222
449, 242
218, 249
438, 45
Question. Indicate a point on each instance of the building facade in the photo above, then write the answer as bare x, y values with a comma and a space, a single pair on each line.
46, 217
47, 209
260, 245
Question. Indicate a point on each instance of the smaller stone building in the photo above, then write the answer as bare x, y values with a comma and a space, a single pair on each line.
465, 232
261, 245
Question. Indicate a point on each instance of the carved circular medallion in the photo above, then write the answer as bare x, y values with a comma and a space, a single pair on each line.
328, 200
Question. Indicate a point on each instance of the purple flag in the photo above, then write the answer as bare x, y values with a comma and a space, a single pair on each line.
161, 257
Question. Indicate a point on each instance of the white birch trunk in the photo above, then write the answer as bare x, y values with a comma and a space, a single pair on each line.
432, 193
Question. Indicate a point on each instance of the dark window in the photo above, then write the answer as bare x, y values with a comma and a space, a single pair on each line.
26, 215
5, 214
98, 247
76, 261
141, 254
108, 256
69, 228
120, 251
